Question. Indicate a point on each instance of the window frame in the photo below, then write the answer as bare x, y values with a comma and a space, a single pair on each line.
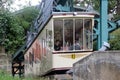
74, 26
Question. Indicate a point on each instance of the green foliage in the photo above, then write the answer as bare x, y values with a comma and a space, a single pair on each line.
7, 76
26, 16
95, 45
96, 4
116, 17
115, 40
13, 27
11, 32
111, 4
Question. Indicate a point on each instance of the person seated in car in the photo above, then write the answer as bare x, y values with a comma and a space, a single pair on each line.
75, 46
57, 45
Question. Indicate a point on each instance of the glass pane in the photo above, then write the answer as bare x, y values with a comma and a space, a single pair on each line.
49, 38
68, 34
58, 34
78, 34
88, 33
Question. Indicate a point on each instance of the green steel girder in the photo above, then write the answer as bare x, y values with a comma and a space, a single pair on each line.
103, 22
111, 26
63, 5
103, 26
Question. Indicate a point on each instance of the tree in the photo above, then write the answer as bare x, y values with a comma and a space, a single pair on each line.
113, 5
26, 17
115, 40
13, 27
5, 4
11, 32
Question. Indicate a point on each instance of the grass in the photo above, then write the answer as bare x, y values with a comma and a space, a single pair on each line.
7, 76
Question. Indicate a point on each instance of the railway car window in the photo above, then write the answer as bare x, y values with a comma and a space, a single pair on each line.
43, 47
58, 34
88, 34
78, 34
68, 34
49, 38
72, 34
31, 58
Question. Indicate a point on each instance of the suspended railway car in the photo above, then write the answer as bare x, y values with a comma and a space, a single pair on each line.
65, 39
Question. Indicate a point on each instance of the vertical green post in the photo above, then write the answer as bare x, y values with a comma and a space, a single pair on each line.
103, 22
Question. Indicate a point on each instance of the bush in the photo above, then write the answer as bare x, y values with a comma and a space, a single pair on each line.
115, 40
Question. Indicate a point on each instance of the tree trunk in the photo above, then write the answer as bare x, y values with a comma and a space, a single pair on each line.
2, 49
118, 7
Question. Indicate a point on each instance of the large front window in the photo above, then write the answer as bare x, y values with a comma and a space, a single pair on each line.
72, 34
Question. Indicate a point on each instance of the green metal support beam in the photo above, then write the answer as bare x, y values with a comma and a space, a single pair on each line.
103, 23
